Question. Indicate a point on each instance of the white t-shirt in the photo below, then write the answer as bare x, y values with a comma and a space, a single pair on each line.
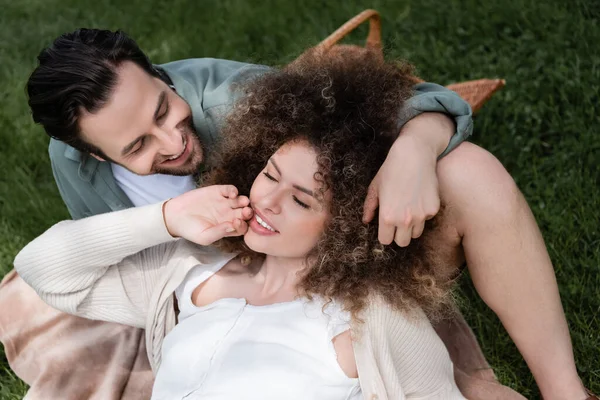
232, 350
151, 189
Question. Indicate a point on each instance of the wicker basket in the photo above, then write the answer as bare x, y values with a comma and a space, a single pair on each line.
476, 92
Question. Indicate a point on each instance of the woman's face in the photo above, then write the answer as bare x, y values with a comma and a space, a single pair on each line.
289, 214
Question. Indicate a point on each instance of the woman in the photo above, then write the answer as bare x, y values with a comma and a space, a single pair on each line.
271, 317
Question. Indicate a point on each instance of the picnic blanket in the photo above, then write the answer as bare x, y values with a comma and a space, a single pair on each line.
65, 357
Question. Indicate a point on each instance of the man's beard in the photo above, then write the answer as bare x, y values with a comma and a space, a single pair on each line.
192, 165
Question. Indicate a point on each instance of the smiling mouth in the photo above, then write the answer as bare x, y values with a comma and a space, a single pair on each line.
263, 223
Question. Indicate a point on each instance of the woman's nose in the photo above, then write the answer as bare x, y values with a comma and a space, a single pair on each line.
271, 202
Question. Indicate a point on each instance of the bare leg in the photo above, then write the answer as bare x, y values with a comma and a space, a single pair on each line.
509, 265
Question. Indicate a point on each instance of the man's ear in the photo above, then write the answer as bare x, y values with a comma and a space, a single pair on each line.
97, 157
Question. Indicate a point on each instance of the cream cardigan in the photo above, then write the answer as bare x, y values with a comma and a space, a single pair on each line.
124, 267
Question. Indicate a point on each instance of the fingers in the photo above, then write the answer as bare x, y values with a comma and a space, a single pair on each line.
397, 227
371, 204
228, 191
417, 230
236, 227
247, 213
419, 218
390, 229
238, 202
243, 213
386, 231
217, 232
432, 207
240, 226
403, 235
240, 208
411, 228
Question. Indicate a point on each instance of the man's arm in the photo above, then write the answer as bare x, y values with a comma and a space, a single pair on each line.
432, 123
215, 80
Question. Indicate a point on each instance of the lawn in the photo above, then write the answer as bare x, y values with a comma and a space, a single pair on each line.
543, 126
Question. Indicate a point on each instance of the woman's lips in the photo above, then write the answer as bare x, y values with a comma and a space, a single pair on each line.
258, 228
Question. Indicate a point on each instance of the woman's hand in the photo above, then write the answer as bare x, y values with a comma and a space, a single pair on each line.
208, 214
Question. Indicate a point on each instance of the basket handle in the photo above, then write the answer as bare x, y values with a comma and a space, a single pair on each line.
373, 39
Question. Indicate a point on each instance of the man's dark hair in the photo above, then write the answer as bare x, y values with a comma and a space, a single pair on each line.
77, 73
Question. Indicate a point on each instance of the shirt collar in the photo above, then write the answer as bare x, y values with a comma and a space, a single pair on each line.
87, 164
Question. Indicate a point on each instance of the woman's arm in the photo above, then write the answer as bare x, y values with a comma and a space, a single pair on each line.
107, 266
101, 267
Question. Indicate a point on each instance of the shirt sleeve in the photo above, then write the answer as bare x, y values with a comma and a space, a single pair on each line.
404, 353
102, 267
431, 97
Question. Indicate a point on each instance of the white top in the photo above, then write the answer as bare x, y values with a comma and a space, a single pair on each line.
232, 350
149, 189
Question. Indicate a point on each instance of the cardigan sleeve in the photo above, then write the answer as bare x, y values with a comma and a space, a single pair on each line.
400, 356
102, 267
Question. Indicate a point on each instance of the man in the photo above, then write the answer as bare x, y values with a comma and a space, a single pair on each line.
141, 119
127, 133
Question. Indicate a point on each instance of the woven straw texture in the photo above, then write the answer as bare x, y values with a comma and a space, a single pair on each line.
475, 92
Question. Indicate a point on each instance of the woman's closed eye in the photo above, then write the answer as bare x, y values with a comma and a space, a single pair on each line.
296, 200
269, 176
301, 204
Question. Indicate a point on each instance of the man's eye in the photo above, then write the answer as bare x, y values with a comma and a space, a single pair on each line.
301, 204
137, 150
269, 176
161, 118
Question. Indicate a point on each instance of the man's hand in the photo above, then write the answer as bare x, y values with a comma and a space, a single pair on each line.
207, 214
406, 187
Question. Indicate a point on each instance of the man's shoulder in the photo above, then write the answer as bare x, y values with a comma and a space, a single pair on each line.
201, 62
208, 85
193, 69
62, 154
69, 164
56, 148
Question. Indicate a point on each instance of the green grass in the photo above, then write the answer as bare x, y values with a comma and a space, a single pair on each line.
543, 126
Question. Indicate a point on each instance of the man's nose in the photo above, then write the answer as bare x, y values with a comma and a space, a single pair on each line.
170, 141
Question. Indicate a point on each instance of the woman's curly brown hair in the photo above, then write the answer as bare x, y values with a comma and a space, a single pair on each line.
347, 107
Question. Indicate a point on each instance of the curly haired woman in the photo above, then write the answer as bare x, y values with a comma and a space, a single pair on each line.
301, 301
